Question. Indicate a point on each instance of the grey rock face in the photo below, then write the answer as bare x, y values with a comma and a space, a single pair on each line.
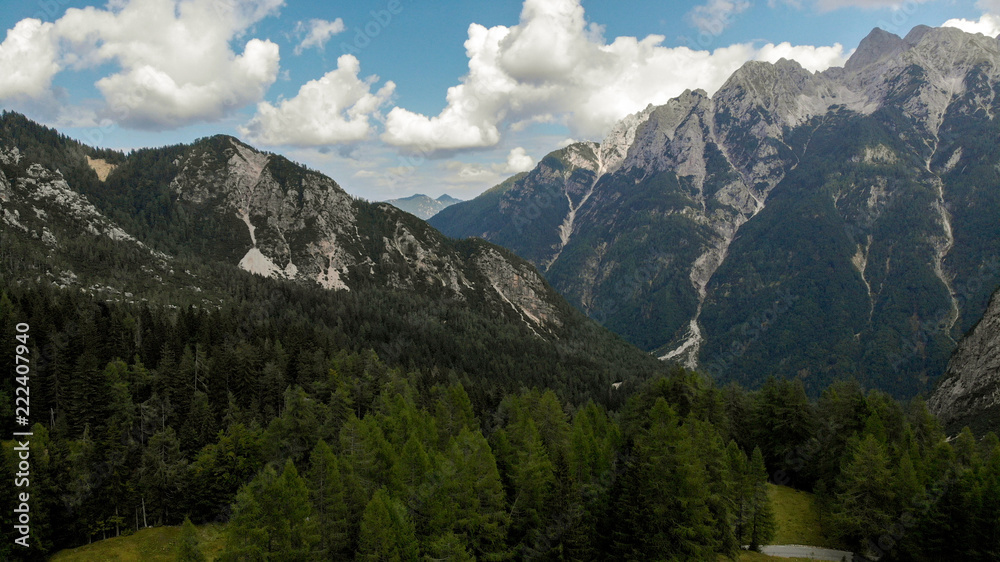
969, 392
239, 182
304, 227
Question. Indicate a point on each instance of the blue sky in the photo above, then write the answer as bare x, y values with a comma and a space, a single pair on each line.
395, 97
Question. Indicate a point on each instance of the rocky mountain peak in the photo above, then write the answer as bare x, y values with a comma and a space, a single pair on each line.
615, 147
878, 45
917, 34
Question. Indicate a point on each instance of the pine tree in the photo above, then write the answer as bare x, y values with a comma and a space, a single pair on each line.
188, 549
326, 487
476, 506
864, 494
387, 534
199, 426
741, 494
220, 469
160, 474
453, 412
663, 512
988, 523
531, 475
295, 433
449, 547
367, 456
761, 525
273, 517
594, 443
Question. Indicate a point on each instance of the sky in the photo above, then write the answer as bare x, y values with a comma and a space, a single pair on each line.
396, 97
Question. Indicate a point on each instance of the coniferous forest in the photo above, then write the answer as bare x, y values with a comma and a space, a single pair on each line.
311, 447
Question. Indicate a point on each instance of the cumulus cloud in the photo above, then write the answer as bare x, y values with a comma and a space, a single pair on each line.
716, 15
553, 67
814, 59
176, 65
28, 60
475, 174
517, 161
988, 24
335, 109
319, 32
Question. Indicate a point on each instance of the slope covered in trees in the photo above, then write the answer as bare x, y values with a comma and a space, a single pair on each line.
222, 423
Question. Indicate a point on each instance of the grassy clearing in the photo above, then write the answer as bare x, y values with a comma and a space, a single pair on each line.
798, 518
148, 545
796, 514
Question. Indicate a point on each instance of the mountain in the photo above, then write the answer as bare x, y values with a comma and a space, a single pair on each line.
173, 227
969, 392
807, 225
423, 206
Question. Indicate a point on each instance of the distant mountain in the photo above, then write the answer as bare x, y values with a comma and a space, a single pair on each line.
423, 206
809, 225
969, 392
174, 226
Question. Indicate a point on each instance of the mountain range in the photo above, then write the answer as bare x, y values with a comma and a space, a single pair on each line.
806, 225
173, 227
423, 206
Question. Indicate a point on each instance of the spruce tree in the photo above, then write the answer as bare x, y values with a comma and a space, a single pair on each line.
273, 517
864, 495
761, 525
742, 491
475, 495
387, 534
188, 549
326, 490
663, 511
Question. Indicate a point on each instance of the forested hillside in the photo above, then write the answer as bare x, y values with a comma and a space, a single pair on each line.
154, 415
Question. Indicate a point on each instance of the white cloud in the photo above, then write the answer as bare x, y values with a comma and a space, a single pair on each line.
814, 59
332, 110
176, 65
552, 66
320, 31
716, 15
517, 161
463, 173
988, 24
469, 174
28, 60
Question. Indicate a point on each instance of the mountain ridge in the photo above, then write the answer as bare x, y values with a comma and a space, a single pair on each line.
423, 206
172, 228
659, 249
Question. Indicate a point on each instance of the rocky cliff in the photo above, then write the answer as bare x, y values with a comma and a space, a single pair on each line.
969, 392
